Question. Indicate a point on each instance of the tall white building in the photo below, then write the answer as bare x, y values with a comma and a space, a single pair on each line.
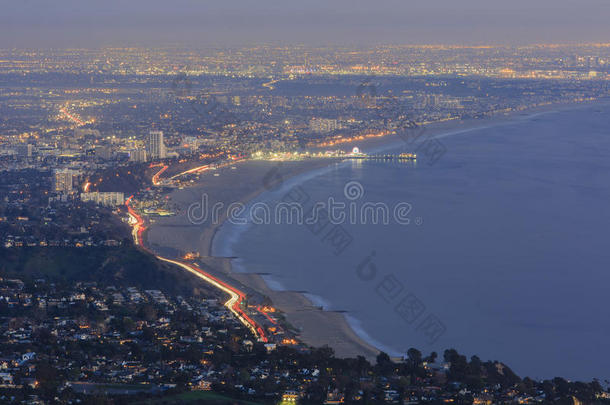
108, 199
25, 150
63, 180
155, 147
324, 125
137, 155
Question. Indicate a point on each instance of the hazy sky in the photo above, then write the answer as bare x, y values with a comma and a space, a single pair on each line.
42, 23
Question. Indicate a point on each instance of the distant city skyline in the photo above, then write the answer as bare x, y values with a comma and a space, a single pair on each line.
72, 23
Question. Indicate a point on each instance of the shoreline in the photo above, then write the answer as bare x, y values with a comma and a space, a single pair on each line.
315, 326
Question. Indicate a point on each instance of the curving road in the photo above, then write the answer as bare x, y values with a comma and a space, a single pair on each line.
236, 297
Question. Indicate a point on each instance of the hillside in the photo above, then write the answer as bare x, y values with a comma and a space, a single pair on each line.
124, 265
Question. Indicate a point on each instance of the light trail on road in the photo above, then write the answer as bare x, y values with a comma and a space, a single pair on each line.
236, 297
72, 117
201, 169
155, 177
198, 169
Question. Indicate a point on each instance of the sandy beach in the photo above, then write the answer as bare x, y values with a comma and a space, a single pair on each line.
177, 235
246, 180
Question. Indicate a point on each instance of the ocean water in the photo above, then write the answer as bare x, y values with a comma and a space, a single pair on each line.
506, 254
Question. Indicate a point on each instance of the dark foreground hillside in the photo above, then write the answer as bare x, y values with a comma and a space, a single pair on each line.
123, 265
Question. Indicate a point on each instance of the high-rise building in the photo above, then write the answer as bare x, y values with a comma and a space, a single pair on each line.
108, 199
155, 147
103, 152
324, 125
63, 180
25, 150
137, 155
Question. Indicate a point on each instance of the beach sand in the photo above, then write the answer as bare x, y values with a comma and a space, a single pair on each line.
246, 180
177, 235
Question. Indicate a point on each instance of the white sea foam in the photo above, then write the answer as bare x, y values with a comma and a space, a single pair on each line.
273, 283
356, 326
318, 301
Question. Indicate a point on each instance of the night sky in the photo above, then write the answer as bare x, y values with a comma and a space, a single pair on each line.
92, 23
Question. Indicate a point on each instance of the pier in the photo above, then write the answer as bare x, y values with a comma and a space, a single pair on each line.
401, 156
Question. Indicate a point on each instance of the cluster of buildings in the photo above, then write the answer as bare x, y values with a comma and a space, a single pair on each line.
87, 312
72, 175
10, 241
155, 149
61, 159
53, 201
324, 125
107, 199
79, 132
543, 61
32, 214
114, 335
128, 341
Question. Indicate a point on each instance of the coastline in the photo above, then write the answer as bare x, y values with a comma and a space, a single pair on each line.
315, 326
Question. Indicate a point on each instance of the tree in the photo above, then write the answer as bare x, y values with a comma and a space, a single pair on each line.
383, 359
458, 370
148, 313
475, 365
384, 364
48, 379
414, 357
431, 358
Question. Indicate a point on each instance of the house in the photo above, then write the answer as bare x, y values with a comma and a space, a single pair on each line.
334, 397
6, 378
290, 396
248, 344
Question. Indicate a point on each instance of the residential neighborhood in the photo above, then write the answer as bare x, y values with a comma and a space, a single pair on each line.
73, 343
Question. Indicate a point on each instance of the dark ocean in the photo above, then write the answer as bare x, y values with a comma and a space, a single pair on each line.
506, 253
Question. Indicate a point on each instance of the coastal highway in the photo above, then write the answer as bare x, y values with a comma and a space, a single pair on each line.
235, 296
270, 84
198, 169
201, 169
155, 178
